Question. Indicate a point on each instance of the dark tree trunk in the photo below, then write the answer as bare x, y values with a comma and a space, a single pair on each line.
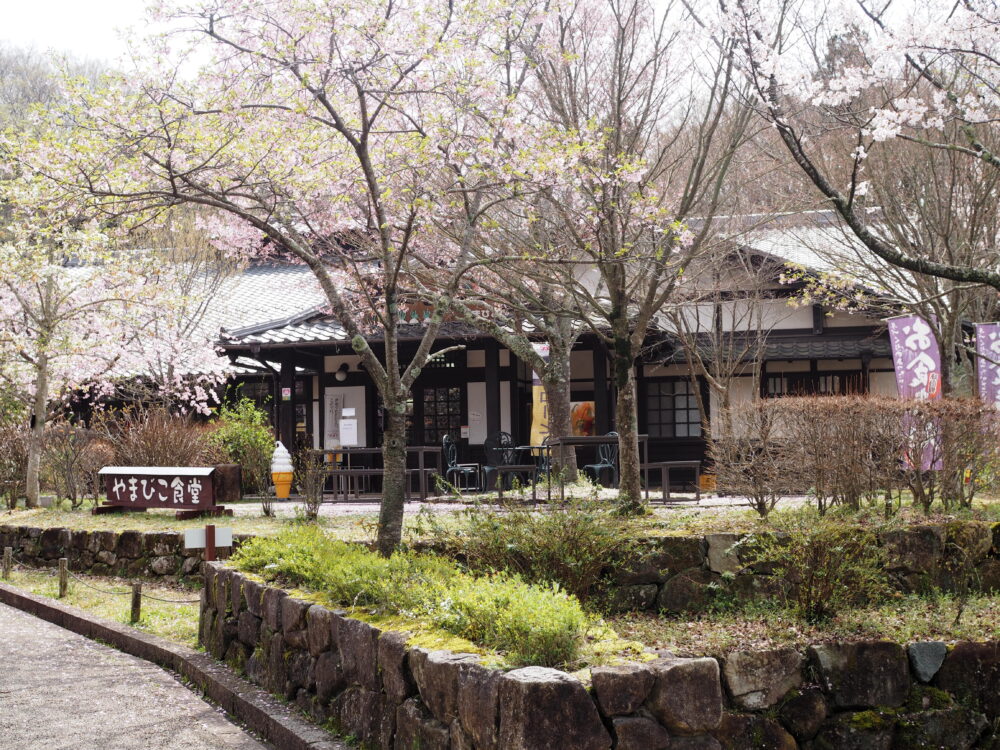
627, 424
390, 520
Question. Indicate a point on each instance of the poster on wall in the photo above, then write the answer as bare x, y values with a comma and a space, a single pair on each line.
539, 405
582, 417
335, 400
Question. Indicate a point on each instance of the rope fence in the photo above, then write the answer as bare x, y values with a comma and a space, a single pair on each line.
63, 572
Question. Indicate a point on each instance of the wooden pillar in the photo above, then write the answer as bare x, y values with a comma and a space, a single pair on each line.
286, 408
602, 392
492, 387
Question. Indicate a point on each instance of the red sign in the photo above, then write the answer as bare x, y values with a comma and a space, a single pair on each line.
180, 488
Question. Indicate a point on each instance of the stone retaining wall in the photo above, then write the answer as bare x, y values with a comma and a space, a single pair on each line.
392, 696
684, 573
106, 553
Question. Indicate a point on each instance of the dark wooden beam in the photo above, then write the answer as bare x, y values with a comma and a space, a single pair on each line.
286, 408
492, 387
602, 392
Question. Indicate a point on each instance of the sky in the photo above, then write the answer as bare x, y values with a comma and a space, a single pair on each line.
87, 29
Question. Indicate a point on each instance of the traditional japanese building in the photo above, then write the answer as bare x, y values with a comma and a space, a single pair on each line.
303, 360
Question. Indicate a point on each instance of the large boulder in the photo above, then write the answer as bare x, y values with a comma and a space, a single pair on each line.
479, 705
416, 729
723, 556
662, 559
926, 658
129, 545
971, 673
914, 550
436, 674
752, 732
328, 675
622, 689
365, 715
319, 629
357, 642
954, 728
639, 733
689, 591
397, 682
687, 694
545, 709
804, 714
273, 607
248, 629
868, 674
862, 730
968, 540
634, 598
759, 679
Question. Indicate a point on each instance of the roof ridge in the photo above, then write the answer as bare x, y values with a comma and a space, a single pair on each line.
256, 328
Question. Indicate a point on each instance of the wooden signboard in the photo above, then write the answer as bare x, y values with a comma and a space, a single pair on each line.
188, 490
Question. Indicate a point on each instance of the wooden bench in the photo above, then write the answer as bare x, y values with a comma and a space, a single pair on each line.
665, 468
353, 477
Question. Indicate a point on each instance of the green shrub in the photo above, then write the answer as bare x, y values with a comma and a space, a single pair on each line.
570, 544
531, 624
827, 566
244, 437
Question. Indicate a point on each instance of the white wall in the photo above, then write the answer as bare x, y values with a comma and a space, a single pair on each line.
476, 394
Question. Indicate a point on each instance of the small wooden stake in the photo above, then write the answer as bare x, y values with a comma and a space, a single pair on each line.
63, 577
209, 543
136, 603
8, 562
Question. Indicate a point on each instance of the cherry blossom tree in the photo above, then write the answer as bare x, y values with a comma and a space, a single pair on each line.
336, 134
624, 72
842, 81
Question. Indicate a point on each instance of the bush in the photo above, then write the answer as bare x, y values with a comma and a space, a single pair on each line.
155, 437
848, 450
570, 544
244, 437
68, 453
310, 476
753, 460
531, 624
13, 462
826, 565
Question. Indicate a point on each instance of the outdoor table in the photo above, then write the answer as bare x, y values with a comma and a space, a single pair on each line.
578, 440
665, 467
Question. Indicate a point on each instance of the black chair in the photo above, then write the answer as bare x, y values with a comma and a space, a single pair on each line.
607, 458
455, 473
499, 449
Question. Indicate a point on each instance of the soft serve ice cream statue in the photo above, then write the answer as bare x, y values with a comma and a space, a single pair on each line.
281, 471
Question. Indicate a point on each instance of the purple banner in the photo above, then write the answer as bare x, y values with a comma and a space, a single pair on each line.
988, 361
915, 358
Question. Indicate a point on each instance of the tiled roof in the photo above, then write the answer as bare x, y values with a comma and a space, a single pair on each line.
822, 346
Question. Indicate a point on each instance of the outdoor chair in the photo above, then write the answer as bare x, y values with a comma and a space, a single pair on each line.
462, 476
607, 459
500, 451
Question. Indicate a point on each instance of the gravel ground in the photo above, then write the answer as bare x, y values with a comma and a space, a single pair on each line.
61, 691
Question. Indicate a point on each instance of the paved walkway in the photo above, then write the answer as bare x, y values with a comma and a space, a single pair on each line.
61, 691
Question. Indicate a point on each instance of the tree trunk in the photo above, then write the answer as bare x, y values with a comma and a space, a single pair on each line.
390, 520
627, 423
39, 411
557, 395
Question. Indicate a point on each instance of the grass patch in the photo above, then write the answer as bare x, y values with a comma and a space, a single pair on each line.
525, 623
762, 626
175, 622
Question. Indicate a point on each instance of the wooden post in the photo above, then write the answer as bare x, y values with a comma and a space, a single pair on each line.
209, 543
136, 603
8, 562
63, 577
